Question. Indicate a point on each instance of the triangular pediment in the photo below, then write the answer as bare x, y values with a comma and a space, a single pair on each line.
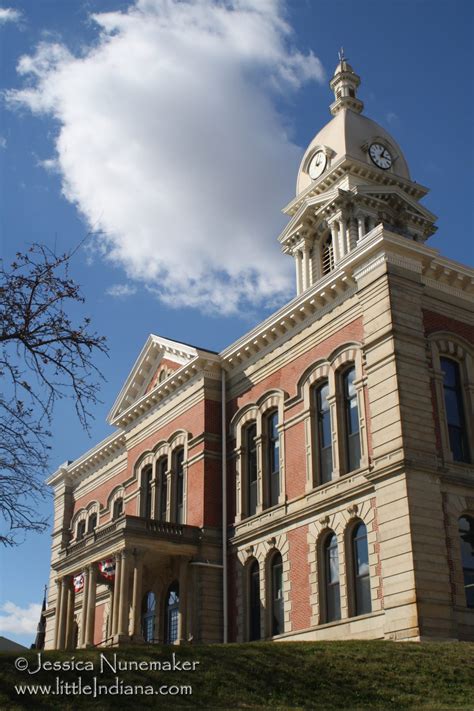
159, 359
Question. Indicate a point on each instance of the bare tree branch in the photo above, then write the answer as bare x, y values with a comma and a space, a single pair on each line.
44, 357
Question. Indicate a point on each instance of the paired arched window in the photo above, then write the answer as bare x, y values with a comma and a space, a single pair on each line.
276, 595
361, 573
148, 616
466, 535
331, 579
251, 467
178, 469
161, 469
273, 458
323, 433
254, 601
147, 475
351, 421
117, 509
454, 406
172, 614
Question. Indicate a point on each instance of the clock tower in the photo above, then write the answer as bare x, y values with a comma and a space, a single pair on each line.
353, 177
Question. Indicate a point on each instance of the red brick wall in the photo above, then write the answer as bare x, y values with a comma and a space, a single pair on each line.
295, 460
101, 493
438, 322
165, 363
299, 578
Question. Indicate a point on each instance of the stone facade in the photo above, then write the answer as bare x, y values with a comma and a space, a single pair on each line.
327, 430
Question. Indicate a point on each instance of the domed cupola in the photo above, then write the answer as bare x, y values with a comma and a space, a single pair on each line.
353, 177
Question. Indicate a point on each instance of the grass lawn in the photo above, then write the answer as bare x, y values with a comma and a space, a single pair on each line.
320, 675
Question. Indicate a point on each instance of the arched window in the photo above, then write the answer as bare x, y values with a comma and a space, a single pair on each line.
323, 433
92, 522
251, 468
273, 458
178, 459
161, 468
117, 508
147, 475
360, 560
162, 376
351, 421
148, 616
254, 601
466, 534
331, 578
453, 402
276, 590
80, 530
171, 614
327, 256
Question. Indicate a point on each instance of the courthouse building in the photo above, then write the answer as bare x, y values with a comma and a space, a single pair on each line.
338, 433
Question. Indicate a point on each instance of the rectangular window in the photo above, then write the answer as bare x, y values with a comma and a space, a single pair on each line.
273, 458
351, 412
251, 446
453, 402
323, 434
179, 474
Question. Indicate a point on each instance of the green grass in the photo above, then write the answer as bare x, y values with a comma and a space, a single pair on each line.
324, 675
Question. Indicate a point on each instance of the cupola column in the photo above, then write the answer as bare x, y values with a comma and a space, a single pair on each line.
342, 238
306, 266
360, 227
334, 227
299, 270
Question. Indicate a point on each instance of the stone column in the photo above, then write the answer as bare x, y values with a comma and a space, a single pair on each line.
353, 234
137, 596
123, 614
90, 620
70, 615
260, 482
57, 618
169, 495
360, 227
183, 601
63, 614
306, 266
116, 597
85, 595
342, 238
335, 240
298, 265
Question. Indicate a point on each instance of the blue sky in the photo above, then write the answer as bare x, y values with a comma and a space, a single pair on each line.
177, 142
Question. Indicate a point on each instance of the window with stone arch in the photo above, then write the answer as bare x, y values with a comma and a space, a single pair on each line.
146, 488
259, 455
116, 504
453, 376
254, 604
92, 516
148, 616
162, 484
322, 429
276, 604
250, 469
330, 597
359, 567
466, 539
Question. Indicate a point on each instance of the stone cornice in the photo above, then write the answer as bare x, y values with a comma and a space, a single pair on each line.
353, 166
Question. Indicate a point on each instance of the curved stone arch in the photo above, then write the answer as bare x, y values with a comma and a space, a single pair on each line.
458, 349
116, 493
93, 507
455, 506
246, 414
271, 399
80, 515
317, 532
347, 353
277, 544
318, 371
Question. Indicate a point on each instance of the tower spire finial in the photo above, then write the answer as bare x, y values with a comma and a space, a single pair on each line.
345, 83
340, 54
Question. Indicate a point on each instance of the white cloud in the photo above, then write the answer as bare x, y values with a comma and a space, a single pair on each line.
8, 14
121, 290
3, 142
171, 145
20, 620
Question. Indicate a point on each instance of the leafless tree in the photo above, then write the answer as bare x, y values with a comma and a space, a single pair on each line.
44, 356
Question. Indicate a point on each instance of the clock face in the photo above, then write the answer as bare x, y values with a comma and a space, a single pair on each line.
317, 165
380, 156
